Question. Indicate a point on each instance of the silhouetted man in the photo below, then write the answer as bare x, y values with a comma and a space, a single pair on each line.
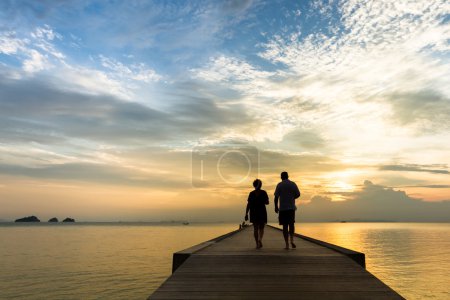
287, 191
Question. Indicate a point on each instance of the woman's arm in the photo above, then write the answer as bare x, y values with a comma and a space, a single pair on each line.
266, 198
247, 208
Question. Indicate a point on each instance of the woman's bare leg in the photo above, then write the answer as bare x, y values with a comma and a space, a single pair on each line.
255, 234
261, 233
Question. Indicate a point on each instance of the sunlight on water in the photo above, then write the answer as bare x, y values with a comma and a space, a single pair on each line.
412, 258
129, 261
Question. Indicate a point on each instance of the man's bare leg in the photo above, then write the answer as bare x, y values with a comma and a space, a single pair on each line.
291, 233
286, 235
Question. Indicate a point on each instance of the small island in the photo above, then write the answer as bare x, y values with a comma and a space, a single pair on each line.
28, 219
68, 220
53, 220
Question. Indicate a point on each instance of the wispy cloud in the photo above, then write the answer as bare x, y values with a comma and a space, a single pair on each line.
416, 168
138, 72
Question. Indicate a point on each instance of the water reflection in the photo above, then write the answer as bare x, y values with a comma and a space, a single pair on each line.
111, 261
412, 258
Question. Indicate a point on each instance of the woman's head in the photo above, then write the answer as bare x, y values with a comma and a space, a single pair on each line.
257, 184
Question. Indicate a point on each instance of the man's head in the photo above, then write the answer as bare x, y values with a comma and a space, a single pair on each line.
284, 175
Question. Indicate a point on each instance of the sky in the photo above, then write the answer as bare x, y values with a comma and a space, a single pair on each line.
168, 110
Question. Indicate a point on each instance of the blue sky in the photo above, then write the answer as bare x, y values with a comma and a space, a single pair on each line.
113, 96
168, 36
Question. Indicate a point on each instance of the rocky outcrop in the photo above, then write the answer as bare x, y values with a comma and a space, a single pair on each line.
28, 219
69, 220
53, 220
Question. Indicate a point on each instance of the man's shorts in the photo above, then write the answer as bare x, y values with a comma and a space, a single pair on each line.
286, 217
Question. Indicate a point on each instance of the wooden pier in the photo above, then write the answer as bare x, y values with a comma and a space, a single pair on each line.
229, 267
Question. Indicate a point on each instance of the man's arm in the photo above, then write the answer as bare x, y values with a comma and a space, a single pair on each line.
275, 200
247, 208
297, 192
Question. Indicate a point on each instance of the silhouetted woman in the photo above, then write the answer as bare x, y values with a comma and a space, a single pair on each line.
256, 204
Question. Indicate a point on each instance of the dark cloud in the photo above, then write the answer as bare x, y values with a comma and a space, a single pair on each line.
275, 160
428, 107
432, 186
15, 131
95, 173
374, 203
31, 110
307, 139
437, 169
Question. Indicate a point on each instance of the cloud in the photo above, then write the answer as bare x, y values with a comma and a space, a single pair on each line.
374, 203
306, 139
164, 27
91, 81
9, 43
433, 186
427, 108
35, 50
416, 168
225, 70
67, 112
43, 38
371, 55
98, 173
138, 72
36, 62
37, 107
45, 33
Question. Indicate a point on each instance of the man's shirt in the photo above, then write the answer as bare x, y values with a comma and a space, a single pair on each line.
287, 191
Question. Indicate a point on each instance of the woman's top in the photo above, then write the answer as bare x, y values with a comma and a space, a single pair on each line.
257, 201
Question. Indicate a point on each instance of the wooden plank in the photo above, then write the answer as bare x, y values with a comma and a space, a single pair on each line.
231, 268
373, 295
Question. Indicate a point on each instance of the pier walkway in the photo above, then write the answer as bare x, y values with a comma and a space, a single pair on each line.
229, 267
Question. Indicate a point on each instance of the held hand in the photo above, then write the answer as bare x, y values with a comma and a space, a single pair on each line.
246, 218
276, 210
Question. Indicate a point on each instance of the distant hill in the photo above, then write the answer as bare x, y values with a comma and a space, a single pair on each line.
28, 219
53, 220
68, 220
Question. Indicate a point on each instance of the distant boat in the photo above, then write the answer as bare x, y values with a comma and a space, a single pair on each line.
185, 223
343, 221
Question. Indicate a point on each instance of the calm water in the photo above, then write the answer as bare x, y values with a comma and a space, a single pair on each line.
129, 261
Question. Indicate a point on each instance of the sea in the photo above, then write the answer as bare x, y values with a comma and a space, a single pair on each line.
130, 260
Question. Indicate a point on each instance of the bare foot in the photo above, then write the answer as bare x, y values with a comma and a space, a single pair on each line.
260, 244
287, 247
293, 245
